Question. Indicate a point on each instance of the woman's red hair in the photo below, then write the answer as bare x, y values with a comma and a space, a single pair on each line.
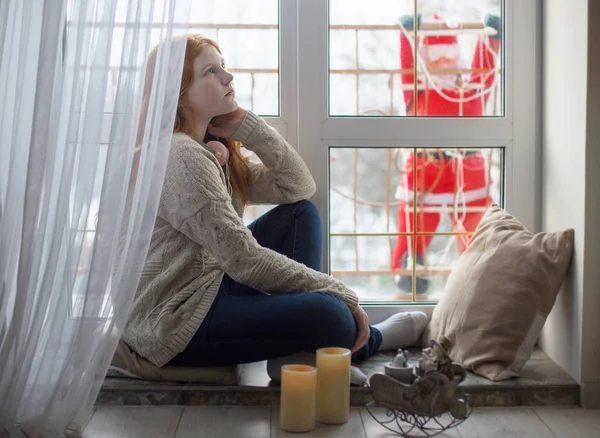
186, 120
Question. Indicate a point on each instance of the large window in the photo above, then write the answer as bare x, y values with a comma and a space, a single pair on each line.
400, 217
414, 116
404, 168
376, 51
383, 233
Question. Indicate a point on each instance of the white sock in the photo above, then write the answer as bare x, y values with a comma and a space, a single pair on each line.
357, 377
401, 330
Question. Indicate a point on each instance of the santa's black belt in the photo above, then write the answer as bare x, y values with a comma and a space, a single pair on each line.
437, 155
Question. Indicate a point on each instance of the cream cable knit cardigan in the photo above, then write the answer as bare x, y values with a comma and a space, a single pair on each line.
199, 235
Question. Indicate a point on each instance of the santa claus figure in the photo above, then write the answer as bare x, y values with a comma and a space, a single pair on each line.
456, 178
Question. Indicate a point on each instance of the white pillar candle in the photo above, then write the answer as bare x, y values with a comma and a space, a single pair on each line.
333, 385
298, 398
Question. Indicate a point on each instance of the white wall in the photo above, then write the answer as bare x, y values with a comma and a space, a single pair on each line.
590, 366
570, 176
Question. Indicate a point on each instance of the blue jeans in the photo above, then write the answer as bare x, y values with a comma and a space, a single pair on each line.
246, 325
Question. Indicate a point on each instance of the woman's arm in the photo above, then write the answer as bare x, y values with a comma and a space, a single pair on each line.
194, 201
282, 177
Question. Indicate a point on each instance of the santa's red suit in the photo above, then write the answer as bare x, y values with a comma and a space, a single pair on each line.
453, 178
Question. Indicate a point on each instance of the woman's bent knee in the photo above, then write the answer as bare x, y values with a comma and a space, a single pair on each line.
307, 207
333, 320
300, 208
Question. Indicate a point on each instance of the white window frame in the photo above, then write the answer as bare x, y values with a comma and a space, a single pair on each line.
304, 118
304, 121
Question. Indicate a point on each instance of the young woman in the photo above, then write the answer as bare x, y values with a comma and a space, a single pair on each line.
215, 292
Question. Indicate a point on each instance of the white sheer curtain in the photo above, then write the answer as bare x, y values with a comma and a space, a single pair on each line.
77, 205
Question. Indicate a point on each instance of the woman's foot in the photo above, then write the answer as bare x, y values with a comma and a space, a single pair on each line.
401, 330
357, 377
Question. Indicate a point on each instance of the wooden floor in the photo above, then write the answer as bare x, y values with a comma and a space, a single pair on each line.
251, 422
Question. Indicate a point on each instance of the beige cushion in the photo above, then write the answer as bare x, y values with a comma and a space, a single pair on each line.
127, 363
500, 293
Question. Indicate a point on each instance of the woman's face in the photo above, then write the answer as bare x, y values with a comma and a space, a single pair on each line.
211, 93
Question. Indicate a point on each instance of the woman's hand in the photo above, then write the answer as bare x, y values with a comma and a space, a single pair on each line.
364, 331
226, 125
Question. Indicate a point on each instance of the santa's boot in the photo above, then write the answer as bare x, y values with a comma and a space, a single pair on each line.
404, 282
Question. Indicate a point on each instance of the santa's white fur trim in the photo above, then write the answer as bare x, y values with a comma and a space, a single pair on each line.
404, 194
436, 51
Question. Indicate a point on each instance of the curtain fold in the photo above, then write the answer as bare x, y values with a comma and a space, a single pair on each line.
85, 128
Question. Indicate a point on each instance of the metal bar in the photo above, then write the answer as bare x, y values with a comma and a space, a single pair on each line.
350, 71
253, 85
420, 271
423, 208
455, 32
399, 298
425, 25
415, 105
418, 233
410, 70
355, 188
392, 93
254, 70
388, 179
190, 26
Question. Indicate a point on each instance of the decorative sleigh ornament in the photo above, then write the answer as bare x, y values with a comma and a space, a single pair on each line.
425, 402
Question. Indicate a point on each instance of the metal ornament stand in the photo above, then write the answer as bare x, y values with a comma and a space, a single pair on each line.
420, 400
